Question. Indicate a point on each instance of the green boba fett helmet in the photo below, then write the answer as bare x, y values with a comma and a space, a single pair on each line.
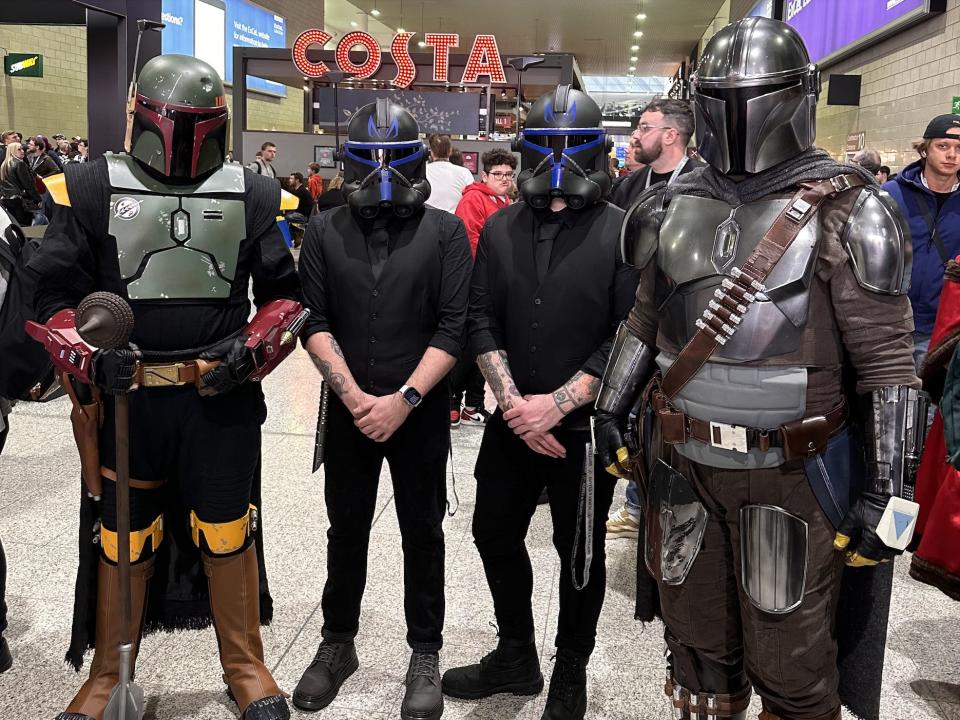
180, 118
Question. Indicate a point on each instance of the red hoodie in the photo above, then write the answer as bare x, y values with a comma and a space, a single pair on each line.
477, 204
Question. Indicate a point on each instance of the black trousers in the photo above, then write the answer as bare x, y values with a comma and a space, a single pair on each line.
510, 477
417, 457
207, 447
466, 377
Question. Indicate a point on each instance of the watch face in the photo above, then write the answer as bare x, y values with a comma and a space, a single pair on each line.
412, 396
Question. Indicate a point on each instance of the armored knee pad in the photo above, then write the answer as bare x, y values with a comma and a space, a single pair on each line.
223, 538
138, 541
773, 557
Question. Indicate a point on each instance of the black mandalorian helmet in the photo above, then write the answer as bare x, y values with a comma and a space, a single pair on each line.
755, 96
384, 162
180, 120
563, 151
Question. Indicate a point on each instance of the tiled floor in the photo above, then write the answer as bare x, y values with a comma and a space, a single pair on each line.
180, 672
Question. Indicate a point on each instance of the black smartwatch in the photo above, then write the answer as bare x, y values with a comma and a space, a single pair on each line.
410, 395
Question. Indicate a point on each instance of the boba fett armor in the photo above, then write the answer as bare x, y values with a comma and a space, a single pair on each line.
180, 234
762, 277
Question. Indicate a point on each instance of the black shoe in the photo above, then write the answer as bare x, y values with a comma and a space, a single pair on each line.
423, 699
6, 659
268, 708
544, 499
508, 669
567, 699
72, 716
321, 681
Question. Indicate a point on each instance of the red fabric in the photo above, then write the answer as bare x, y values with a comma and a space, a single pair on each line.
948, 312
477, 204
315, 186
938, 493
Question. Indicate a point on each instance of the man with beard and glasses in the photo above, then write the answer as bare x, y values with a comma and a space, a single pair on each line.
660, 144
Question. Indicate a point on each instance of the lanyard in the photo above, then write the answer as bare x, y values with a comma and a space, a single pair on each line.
673, 175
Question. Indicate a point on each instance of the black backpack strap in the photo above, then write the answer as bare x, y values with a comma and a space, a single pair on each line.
932, 226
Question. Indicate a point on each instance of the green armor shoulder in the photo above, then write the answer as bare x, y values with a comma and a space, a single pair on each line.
126, 174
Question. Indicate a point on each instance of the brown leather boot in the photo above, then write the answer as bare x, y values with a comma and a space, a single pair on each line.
234, 583
104, 670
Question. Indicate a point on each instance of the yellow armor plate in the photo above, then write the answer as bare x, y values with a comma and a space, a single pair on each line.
227, 537
57, 187
138, 540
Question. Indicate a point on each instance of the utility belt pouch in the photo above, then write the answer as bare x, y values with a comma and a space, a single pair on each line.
673, 422
805, 437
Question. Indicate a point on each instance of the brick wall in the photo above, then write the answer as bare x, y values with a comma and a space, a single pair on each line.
907, 80
57, 102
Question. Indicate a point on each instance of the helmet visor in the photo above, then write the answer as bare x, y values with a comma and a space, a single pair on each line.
193, 139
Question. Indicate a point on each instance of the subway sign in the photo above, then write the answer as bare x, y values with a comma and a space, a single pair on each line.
23, 65
484, 58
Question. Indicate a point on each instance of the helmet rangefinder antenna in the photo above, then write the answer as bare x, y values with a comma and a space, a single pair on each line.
142, 25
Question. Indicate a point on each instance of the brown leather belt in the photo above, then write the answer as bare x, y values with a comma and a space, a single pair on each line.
186, 372
797, 439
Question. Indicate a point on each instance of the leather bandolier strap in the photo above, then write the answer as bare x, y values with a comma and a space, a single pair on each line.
721, 318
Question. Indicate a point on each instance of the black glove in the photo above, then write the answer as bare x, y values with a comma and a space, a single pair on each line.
611, 446
115, 370
235, 367
857, 534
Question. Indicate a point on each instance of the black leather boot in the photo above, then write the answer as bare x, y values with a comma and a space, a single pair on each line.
321, 681
567, 699
423, 699
511, 668
6, 659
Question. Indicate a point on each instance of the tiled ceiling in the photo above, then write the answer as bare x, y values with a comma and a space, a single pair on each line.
598, 33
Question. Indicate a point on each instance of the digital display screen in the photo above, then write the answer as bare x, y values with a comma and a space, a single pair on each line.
210, 29
831, 27
209, 17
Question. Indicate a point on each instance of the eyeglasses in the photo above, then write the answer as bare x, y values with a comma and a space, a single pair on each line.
644, 128
501, 175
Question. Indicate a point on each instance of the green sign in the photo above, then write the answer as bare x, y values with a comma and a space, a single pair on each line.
23, 65
956, 105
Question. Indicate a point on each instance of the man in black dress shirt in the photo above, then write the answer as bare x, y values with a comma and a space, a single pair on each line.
387, 282
549, 288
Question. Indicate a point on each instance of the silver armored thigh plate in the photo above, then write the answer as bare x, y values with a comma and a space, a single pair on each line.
675, 523
773, 557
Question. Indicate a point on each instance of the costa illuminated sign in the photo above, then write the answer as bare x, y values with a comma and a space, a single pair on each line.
484, 58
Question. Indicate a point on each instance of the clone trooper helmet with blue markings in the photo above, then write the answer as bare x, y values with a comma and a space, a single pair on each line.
384, 162
563, 151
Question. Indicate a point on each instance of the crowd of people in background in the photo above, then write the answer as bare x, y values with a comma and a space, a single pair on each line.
23, 166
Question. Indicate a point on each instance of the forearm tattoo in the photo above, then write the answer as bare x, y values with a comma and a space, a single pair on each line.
496, 371
577, 391
336, 346
337, 380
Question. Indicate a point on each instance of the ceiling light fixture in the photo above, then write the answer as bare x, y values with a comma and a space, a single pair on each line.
634, 47
638, 33
375, 12
642, 16
421, 44
400, 30
633, 58
353, 23
632, 68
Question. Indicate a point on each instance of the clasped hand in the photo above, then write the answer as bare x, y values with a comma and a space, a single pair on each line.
532, 418
379, 417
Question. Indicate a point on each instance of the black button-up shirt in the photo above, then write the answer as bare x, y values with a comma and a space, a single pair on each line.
566, 323
385, 321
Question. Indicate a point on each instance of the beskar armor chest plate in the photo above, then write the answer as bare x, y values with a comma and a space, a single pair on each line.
176, 242
701, 241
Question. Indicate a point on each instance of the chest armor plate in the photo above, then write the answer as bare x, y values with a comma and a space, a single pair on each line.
701, 240
177, 243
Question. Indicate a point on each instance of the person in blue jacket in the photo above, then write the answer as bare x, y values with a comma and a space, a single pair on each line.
926, 191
